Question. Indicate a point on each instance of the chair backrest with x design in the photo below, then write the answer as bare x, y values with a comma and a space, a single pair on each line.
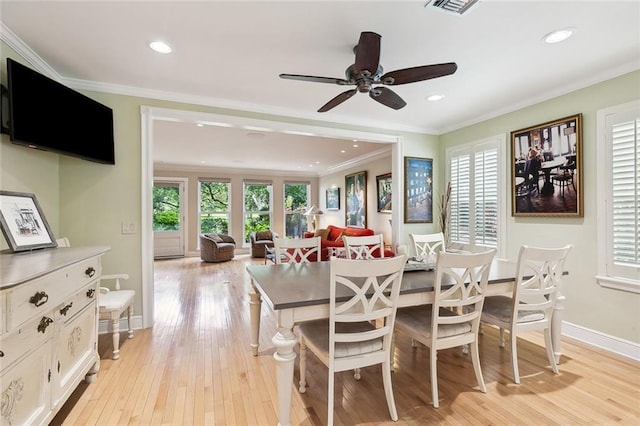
294, 250
364, 247
427, 246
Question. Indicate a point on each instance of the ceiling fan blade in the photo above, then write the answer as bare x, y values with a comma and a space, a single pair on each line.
315, 79
387, 97
367, 52
338, 100
411, 75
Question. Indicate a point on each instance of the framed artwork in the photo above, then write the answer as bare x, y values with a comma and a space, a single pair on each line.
383, 183
546, 169
418, 186
333, 199
356, 200
23, 224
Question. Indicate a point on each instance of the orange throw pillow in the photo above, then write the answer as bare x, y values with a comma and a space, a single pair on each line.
322, 233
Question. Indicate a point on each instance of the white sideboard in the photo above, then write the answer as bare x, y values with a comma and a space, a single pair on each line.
48, 329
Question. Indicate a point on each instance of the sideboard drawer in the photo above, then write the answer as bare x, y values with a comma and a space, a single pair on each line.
21, 341
69, 307
45, 293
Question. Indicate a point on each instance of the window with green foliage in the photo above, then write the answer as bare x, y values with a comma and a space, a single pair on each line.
166, 207
257, 208
214, 207
296, 202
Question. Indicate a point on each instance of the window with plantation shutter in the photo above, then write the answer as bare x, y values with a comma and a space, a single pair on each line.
476, 214
619, 188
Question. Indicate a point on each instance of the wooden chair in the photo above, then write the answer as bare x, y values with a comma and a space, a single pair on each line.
427, 246
364, 247
112, 303
539, 274
368, 291
454, 318
291, 250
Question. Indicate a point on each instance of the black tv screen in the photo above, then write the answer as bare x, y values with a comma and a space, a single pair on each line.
47, 115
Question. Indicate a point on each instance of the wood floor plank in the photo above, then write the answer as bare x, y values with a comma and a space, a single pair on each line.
195, 367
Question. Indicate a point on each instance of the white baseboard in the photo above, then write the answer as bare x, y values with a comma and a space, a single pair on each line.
104, 326
603, 341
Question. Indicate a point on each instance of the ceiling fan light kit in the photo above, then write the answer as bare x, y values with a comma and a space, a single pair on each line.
360, 74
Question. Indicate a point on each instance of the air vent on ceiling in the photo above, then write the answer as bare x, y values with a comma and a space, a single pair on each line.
452, 6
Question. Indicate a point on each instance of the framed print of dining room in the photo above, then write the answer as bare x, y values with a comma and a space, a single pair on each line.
546, 169
23, 223
418, 186
356, 200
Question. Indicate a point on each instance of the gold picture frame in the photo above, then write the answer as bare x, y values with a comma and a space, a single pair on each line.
546, 169
418, 187
355, 212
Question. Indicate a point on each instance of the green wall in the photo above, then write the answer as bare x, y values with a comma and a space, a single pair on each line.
613, 312
88, 201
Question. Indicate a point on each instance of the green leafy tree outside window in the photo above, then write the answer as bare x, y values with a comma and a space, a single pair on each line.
166, 208
214, 207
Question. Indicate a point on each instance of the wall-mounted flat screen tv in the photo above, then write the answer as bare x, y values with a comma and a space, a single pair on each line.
47, 115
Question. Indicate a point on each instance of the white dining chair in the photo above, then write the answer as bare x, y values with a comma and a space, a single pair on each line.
297, 250
454, 317
362, 293
538, 277
364, 247
427, 246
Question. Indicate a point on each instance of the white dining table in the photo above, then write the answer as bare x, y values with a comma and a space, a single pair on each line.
300, 292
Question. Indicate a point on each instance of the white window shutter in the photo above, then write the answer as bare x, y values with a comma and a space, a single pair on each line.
486, 197
625, 190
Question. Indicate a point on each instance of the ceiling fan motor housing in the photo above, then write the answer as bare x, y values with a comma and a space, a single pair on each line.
364, 80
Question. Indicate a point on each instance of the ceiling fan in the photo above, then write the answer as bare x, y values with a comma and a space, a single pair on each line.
367, 71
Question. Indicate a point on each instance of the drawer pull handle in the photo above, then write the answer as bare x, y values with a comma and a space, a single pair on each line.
64, 310
91, 292
44, 323
39, 299
90, 271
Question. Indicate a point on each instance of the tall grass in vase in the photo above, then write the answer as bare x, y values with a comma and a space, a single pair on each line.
444, 213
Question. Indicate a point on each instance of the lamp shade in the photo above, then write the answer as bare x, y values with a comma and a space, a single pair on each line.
313, 210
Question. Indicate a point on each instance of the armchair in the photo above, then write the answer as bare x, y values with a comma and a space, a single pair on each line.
216, 247
260, 240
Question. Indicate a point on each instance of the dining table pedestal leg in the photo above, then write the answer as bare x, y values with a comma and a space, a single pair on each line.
284, 340
255, 303
556, 326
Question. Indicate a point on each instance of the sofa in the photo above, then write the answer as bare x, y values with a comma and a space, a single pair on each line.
260, 240
331, 237
216, 247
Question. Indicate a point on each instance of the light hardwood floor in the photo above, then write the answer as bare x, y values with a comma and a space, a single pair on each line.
194, 367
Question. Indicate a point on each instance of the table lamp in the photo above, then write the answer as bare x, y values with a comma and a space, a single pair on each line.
313, 212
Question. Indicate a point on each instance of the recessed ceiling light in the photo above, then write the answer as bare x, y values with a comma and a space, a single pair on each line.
433, 98
317, 162
355, 145
342, 151
558, 35
160, 47
200, 125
